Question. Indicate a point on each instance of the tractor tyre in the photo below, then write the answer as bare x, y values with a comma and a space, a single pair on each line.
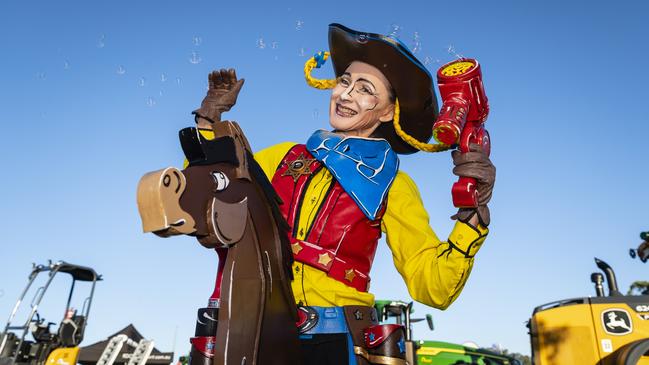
631, 353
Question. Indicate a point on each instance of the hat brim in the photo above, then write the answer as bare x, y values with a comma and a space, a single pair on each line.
411, 82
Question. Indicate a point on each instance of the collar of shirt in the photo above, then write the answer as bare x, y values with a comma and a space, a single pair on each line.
364, 167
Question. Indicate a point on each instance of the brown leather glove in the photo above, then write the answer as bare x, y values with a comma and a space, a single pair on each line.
475, 164
221, 95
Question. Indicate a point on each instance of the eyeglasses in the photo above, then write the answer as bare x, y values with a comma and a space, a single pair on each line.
359, 86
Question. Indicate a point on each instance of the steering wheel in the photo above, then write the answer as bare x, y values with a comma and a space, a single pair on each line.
37, 318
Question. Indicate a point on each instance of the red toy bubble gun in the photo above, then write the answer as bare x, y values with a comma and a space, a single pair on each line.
461, 119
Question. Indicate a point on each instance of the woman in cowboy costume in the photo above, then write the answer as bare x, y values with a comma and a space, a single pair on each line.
343, 188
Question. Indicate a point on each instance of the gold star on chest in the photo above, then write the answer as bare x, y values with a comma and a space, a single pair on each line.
324, 259
298, 167
350, 275
296, 248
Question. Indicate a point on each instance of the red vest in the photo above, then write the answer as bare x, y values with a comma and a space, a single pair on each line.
341, 240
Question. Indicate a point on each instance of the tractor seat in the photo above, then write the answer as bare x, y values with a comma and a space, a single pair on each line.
42, 333
71, 331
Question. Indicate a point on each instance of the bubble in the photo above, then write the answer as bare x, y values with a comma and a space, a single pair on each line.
196, 40
150, 102
361, 38
66, 65
299, 24
163, 78
195, 59
274, 45
179, 81
301, 52
260, 43
451, 49
2, 293
428, 61
316, 113
142, 81
276, 58
416, 43
160, 92
101, 43
395, 31
41, 75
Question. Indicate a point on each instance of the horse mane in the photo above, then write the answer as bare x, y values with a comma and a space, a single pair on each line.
273, 200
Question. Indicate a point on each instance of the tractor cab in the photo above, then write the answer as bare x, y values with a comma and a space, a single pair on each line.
32, 340
607, 329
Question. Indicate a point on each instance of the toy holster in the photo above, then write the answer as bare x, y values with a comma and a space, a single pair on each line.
374, 343
461, 119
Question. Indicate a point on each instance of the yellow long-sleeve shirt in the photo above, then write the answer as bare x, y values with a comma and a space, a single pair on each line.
434, 271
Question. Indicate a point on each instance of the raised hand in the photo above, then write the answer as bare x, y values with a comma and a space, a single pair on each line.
221, 95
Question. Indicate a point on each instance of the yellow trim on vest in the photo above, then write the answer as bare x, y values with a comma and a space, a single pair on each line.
313, 198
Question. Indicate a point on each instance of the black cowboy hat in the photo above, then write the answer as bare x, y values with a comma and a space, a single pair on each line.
411, 82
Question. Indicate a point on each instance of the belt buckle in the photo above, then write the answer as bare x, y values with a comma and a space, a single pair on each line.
307, 318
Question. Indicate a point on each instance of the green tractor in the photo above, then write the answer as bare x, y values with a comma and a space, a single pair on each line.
419, 352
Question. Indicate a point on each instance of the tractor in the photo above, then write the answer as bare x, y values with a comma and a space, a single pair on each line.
419, 352
607, 329
58, 347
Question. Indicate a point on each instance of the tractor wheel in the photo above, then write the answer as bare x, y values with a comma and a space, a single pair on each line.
631, 353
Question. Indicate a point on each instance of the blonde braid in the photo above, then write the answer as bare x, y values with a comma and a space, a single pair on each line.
319, 59
313, 63
426, 147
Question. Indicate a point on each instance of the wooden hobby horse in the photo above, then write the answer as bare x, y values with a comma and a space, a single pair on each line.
224, 199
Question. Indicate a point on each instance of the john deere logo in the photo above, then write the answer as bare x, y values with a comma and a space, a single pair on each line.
617, 322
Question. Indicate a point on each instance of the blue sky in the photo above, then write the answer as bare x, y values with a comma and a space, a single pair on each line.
93, 93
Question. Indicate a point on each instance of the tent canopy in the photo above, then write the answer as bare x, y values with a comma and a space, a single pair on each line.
90, 354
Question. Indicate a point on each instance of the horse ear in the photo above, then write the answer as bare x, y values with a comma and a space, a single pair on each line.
242, 147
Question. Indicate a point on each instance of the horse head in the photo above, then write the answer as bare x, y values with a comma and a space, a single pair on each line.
213, 206
225, 200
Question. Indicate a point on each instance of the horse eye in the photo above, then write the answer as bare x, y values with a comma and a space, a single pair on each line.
221, 180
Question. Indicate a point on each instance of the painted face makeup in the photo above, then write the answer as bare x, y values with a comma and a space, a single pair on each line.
360, 101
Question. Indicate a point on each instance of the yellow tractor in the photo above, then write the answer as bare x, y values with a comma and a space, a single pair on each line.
47, 346
608, 329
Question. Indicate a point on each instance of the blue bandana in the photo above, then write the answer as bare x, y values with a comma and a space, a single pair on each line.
364, 167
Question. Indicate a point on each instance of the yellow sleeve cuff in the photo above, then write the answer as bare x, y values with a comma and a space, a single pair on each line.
467, 239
